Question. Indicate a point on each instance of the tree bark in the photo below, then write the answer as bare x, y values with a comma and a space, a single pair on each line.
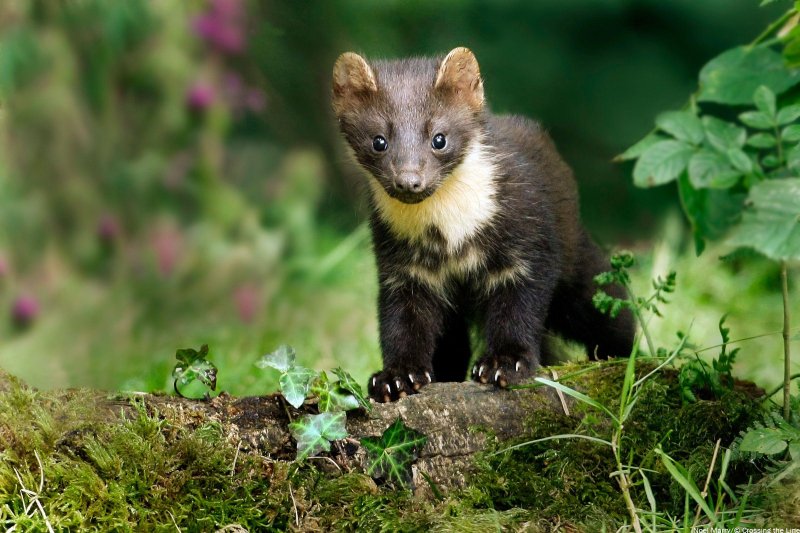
457, 418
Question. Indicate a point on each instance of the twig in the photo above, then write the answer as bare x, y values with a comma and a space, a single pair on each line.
787, 355
294, 504
708, 477
560, 394
328, 459
235, 457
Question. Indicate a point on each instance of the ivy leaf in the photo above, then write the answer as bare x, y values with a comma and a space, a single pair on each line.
295, 383
757, 120
788, 114
331, 397
732, 77
641, 146
763, 140
193, 366
771, 223
683, 125
349, 384
281, 359
314, 433
711, 169
390, 456
767, 441
791, 133
661, 163
764, 99
723, 135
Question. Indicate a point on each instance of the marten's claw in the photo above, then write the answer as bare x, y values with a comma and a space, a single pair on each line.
388, 386
499, 371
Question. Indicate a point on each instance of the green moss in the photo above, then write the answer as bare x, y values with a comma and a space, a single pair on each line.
141, 474
146, 474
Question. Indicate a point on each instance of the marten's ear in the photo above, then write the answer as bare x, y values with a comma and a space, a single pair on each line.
460, 76
353, 80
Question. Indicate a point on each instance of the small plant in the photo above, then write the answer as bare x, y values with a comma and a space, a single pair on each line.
716, 378
193, 366
621, 262
389, 457
737, 178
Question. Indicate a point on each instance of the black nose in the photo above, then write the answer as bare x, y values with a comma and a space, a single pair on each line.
408, 182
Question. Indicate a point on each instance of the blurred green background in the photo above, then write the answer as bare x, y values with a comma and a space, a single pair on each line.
171, 174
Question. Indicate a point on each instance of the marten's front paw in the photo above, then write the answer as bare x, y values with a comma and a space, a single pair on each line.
501, 371
390, 385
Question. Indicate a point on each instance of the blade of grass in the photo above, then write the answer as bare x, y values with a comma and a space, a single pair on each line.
578, 396
552, 437
680, 475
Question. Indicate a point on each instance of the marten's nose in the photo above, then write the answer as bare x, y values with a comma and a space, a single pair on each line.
409, 182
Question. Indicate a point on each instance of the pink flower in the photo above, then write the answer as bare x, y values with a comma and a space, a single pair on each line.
168, 246
222, 26
200, 96
24, 310
108, 228
248, 302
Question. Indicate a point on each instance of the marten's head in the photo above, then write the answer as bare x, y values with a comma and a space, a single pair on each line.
410, 122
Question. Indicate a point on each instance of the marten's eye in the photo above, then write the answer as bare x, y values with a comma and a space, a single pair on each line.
438, 141
379, 144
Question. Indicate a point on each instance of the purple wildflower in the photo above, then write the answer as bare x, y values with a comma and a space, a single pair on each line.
222, 26
200, 96
24, 311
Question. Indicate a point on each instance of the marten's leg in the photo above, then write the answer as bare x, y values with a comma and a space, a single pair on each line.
411, 318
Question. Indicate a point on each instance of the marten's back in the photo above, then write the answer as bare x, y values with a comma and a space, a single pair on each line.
535, 184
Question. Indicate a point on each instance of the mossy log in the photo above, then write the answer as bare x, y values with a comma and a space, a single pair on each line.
109, 461
457, 419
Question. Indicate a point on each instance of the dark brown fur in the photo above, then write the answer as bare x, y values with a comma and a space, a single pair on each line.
530, 264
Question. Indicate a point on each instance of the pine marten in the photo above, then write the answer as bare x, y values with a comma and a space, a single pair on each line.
475, 218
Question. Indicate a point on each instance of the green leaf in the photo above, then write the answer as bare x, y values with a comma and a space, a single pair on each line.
711, 212
348, 383
788, 114
661, 163
723, 135
684, 479
683, 125
577, 395
762, 140
767, 441
193, 366
639, 148
732, 77
314, 433
793, 158
770, 161
757, 120
391, 455
330, 396
739, 160
764, 99
771, 223
791, 133
281, 359
794, 450
711, 169
295, 383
